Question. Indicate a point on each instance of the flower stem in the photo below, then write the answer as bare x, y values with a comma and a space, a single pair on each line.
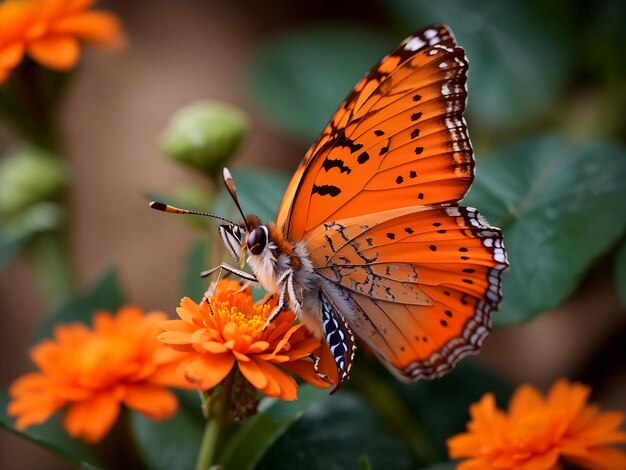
218, 415
206, 456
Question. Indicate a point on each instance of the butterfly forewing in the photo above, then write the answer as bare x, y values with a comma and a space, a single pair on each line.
411, 120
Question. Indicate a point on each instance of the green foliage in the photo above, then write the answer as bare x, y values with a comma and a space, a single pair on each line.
260, 432
16, 233
52, 437
173, 443
335, 434
441, 407
259, 192
193, 286
518, 61
300, 77
620, 273
105, 294
29, 176
560, 205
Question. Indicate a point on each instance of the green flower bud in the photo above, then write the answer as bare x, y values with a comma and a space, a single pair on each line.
204, 135
29, 176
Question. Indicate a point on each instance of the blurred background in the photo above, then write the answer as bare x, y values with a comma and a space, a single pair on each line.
536, 68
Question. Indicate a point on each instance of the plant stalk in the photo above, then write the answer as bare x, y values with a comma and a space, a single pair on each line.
218, 409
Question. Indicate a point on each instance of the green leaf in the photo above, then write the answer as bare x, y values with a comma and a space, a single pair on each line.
620, 273
260, 432
441, 466
441, 407
300, 78
193, 285
105, 294
560, 205
52, 437
16, 232
519, 62
10, 246
259, 192
336, 434
173, 443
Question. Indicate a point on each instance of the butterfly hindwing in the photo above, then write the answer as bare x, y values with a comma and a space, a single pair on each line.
422, 285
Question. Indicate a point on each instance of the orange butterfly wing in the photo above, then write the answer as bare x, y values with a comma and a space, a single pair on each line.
421, 283
374, 199
402, 126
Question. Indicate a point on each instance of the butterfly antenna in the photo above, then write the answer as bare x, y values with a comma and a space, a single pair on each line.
230, 186
159, 206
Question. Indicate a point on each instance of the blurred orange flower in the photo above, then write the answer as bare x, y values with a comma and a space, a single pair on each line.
49, 31
233, 332
94, 371
538, 432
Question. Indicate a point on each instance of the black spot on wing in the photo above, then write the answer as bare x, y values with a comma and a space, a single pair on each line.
336, 163
326, 190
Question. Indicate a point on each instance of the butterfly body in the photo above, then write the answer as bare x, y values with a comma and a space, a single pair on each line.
370, 239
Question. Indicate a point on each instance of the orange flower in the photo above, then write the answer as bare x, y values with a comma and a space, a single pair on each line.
92, 372
233, 332
49, 31
538, 432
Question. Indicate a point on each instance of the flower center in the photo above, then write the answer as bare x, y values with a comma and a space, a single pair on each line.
239, 309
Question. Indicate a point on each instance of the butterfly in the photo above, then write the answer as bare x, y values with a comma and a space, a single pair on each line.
370, 240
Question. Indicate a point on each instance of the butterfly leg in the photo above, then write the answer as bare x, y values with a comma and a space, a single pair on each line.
229, 269
280, 307
287, 290
339, 338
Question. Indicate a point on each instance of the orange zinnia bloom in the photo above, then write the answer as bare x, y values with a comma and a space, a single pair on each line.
49, 31
233, 332
538, 432
93, 372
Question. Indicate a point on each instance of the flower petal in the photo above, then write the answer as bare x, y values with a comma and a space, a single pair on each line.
306, 371
169, 375
599, 458
4, 74
545, 461
253, 374
56, 52
208, 370
175, 337
93, 26
154, 402
525, 398
287, 386
32, 409
11, 55
90, 420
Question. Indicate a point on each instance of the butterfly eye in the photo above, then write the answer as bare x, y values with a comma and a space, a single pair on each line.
257, 240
